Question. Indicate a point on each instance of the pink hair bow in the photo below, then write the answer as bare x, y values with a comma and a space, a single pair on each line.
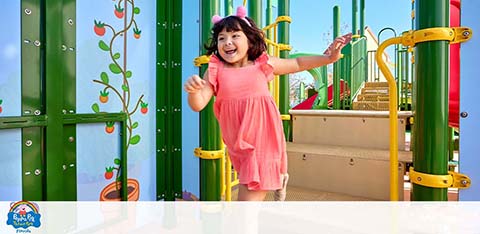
241, 13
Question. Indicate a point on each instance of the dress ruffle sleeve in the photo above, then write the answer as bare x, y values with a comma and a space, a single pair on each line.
265, 66
213, 66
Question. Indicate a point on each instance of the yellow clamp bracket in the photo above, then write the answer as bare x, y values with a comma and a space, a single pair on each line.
208, 154
285, 117
452, 180
453, 35
279, 19
199, 61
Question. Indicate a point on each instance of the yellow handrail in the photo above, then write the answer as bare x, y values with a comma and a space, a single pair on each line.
392, 107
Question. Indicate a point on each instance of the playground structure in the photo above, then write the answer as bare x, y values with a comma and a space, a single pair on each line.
342, 150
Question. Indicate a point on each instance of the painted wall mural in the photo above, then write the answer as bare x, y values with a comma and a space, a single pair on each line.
116, 73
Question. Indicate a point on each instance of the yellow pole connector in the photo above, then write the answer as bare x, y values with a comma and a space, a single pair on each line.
452, 180
208, 154
410, 38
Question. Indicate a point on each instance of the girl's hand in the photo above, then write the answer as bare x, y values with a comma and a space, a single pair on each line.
334, 50
194, 84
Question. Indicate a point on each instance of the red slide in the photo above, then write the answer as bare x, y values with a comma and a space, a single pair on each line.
308, 103
454, 89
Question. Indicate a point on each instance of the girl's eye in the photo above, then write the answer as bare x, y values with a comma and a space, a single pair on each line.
220, 38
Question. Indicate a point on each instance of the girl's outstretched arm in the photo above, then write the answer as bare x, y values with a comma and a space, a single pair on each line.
199, 91
331, 55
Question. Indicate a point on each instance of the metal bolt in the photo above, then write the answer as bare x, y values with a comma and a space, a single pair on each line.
37, 43
64, 111
26, 41
71, 111
464, 114
28, 143
64, 167
71, 49
27, 173
304, 157
464, 182
419, 178
466, 33
37, 172
72, 165
71, 139
64, 47
70, 21
445, 181
28, 11
352, 162
159, 130
37, 112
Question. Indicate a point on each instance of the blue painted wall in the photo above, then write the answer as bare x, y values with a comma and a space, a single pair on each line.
469, 85
10, 94
190, 120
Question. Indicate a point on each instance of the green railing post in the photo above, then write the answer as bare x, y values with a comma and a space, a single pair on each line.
210, 170
430, 154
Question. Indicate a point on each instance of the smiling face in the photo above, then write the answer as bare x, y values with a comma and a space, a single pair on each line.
233, 47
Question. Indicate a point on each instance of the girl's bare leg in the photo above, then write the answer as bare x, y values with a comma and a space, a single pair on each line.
250, 195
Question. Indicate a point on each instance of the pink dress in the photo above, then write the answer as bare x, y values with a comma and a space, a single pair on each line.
250, 122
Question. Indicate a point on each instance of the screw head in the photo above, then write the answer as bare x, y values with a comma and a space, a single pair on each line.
28, 11
464, 114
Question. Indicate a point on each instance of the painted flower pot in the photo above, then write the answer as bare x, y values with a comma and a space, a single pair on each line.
110, 192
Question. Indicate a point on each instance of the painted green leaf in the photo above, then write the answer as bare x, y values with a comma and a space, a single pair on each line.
103, 45
116, 56
104, 77
128, 74
134, 140
117, 161
136, 10
1, 101
95, 108
114, 68
125, 88
134, 125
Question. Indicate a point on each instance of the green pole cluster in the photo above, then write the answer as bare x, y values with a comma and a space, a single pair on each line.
362, 18
430, 154
210, 139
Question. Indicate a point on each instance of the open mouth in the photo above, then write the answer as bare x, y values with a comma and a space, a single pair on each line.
230, 52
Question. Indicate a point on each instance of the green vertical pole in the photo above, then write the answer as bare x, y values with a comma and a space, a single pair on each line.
362, 18
54, 102
431, 108
68, 25
269, 17
255, 11
33, 51
161, 99
284, 38
210, 177
228, 7
354, 18
336, 66
176, 97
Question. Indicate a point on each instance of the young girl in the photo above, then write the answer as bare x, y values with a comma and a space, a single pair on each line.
238, 74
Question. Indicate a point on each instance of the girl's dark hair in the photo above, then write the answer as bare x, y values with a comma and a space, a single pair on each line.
256, 38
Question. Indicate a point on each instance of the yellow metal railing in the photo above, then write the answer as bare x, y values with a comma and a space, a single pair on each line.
410, 38
274, 49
